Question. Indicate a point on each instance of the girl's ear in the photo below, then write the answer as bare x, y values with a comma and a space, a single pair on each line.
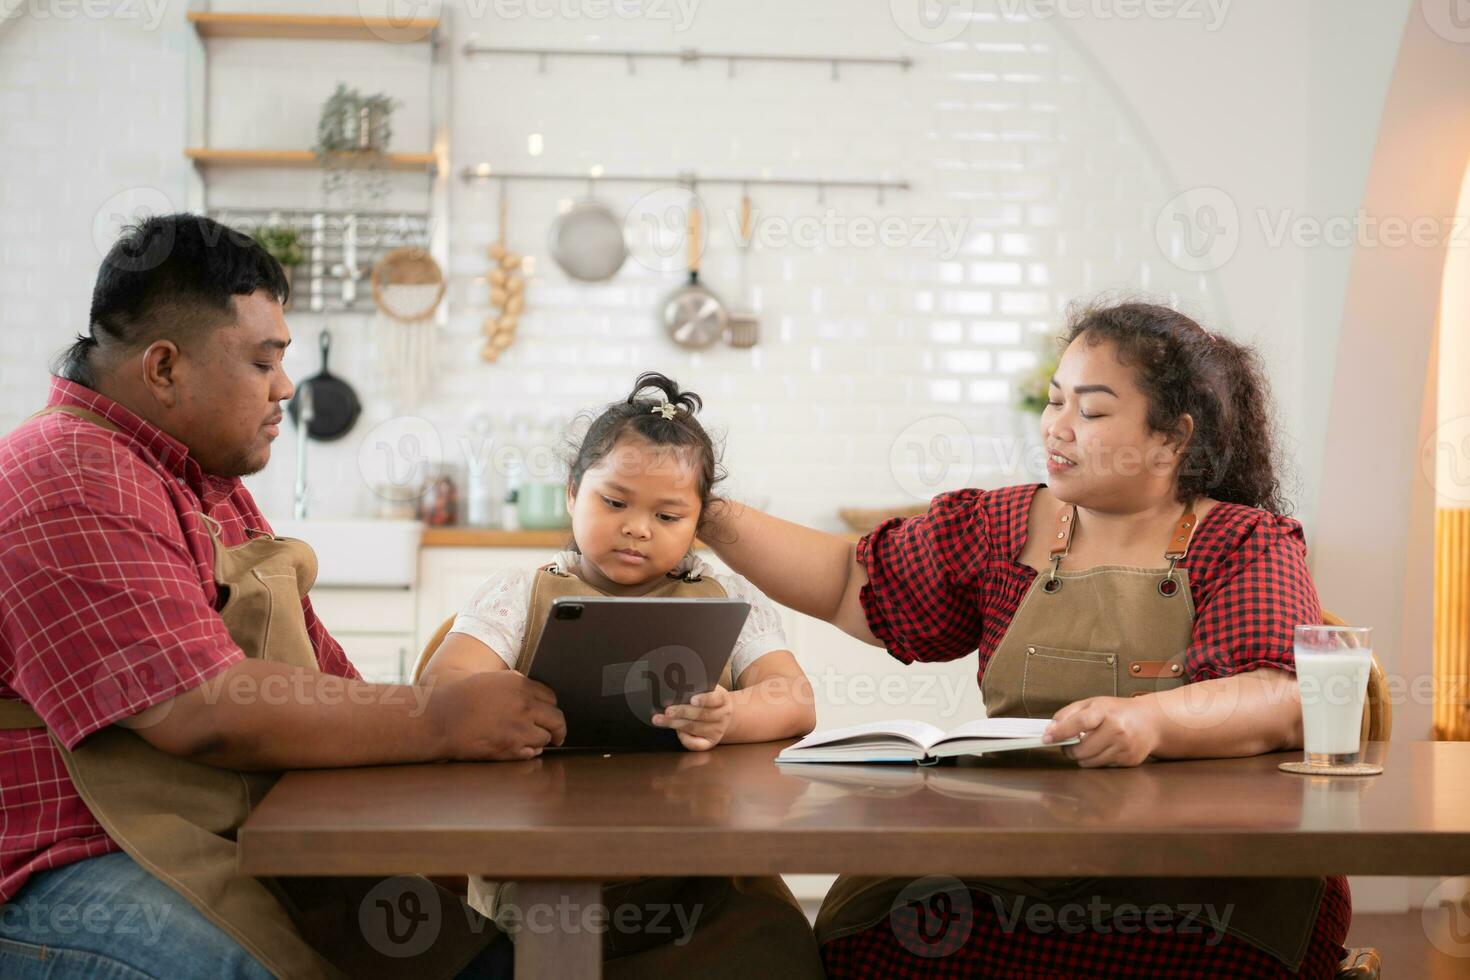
571, 497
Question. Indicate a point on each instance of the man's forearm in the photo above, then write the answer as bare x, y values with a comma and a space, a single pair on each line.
263, 715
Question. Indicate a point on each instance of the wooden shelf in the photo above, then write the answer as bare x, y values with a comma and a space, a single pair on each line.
297, 159
311, 27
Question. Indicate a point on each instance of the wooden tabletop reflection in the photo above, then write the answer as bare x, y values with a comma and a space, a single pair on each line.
735, 811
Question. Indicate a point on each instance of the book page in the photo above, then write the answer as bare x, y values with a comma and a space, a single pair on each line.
920, 733
1000, 728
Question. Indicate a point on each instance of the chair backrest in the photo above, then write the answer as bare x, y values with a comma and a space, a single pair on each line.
1378, 710
428, 651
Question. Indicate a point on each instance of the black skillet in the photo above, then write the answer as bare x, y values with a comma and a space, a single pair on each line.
334, 404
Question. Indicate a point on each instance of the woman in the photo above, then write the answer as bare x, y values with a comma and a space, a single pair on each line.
1155, 559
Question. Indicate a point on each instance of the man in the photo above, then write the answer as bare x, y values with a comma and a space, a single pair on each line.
159, 659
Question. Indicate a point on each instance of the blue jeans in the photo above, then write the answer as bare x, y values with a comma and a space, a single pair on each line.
105, 918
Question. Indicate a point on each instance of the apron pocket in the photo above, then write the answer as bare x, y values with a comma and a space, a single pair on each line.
1053, 678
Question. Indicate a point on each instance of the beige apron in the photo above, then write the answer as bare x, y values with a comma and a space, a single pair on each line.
750, 926
178, 818
1094, 633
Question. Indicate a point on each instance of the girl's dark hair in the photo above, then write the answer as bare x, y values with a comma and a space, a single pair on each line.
637, 416
1183, 368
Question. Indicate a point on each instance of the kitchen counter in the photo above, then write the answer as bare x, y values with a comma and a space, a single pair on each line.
483, 537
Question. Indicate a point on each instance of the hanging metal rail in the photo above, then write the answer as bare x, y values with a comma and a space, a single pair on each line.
689, 179
691, 56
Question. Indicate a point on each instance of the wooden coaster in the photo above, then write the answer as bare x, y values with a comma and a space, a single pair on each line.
1355, 769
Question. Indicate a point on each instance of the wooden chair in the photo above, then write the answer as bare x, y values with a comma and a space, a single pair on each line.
428, 651
1363, 962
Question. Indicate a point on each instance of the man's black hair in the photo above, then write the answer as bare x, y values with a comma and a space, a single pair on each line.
171, 276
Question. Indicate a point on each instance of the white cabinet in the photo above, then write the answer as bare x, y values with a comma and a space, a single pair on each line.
375, 627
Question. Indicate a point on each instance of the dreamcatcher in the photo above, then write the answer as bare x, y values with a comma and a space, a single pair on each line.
408, 286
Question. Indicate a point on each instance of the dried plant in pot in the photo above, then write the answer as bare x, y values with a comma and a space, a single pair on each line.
352, 138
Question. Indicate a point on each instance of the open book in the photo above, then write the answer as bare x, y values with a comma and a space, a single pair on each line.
917, 741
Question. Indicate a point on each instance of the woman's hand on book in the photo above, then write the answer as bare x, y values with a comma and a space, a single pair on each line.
1114, 731
702, 722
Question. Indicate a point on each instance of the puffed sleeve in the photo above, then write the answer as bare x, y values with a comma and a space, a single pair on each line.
496, 615
922, 598
1245, 619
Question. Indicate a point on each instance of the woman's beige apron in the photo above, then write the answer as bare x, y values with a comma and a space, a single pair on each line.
178, 818
747, 927
1100, 633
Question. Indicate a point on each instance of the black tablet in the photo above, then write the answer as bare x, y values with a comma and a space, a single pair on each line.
614, 662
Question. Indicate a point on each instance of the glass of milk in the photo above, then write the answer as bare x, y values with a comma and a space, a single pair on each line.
1332, 667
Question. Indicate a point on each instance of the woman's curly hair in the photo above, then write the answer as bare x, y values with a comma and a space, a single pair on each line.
1184, 369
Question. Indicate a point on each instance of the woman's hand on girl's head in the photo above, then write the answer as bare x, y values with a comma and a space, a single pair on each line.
1114, 731
701, 723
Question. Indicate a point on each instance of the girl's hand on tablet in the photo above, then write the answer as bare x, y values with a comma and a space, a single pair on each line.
702, 722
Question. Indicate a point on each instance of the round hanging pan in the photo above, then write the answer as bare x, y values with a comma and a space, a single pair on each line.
692, 315
587, 242
334, 405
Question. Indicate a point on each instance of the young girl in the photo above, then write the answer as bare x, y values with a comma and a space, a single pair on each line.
638, 492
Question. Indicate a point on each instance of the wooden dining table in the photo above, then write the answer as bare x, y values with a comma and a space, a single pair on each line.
561, 824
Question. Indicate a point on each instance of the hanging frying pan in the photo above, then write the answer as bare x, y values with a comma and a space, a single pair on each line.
692, 315
587, 241
334, 405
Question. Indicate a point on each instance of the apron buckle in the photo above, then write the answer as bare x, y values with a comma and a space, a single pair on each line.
1168, 586
1053, 584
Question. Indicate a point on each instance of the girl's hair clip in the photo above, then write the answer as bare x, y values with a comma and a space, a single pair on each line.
667, 410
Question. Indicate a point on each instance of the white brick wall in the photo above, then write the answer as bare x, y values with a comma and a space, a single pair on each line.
1003, 132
